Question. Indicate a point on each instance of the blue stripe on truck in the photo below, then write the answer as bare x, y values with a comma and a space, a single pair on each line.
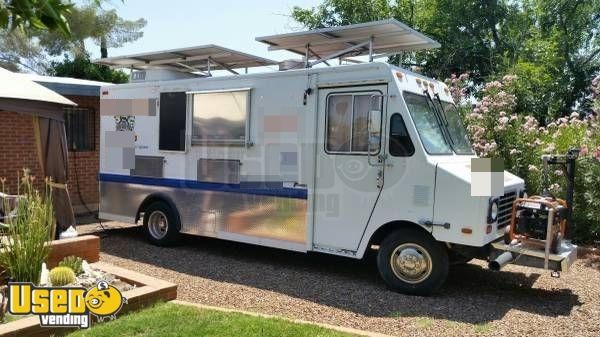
256, 188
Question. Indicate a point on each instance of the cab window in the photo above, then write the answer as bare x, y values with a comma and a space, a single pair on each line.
400, 143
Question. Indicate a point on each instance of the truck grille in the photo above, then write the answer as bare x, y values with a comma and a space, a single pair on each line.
505, 203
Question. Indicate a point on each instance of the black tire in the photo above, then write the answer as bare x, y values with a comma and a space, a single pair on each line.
413, 240
168, 235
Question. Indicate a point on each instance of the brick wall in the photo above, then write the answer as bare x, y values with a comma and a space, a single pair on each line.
18, 151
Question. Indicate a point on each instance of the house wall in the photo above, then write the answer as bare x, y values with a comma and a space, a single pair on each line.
18, 150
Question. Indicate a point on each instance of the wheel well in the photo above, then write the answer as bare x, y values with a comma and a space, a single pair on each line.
390, 227
152, 198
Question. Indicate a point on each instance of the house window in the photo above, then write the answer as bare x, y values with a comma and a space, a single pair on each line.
80, 129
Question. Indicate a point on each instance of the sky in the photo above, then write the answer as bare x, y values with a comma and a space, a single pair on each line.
232, 24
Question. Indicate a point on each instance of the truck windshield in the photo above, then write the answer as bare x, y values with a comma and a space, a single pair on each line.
427, 123
456, 130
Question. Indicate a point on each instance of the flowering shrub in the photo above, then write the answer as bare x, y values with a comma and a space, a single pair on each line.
521, 141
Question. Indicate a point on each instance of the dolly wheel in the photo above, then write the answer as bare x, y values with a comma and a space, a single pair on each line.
161, 224
412, 262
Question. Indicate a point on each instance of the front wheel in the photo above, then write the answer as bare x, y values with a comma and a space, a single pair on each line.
412, 262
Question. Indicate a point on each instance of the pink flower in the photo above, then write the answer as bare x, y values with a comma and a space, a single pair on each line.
550, 148
597, 153
584, 151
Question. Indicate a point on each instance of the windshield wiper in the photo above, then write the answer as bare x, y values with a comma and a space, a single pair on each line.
442, 112
441, 120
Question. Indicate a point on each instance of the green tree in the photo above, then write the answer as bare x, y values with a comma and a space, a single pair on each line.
25, 48
91, 21
552, 45
37, 14
81, 67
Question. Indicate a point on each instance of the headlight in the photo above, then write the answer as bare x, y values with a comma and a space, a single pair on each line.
493, 211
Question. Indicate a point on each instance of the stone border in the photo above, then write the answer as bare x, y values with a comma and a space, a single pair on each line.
147, 291
298, 321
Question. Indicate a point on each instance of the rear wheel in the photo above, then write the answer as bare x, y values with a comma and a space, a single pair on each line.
412, 262
161, 224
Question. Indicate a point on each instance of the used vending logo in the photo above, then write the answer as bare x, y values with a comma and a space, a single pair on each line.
65, 306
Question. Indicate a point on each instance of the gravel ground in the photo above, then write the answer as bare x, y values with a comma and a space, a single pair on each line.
475, 301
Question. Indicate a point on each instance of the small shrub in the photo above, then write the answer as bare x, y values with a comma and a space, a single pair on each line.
28, 232
73, 262
61, 276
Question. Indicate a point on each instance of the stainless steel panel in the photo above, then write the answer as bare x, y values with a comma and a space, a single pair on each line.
219, 171
148, 166
210, 212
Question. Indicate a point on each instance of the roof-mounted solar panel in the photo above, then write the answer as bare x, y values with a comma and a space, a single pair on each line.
194, 59
370, 38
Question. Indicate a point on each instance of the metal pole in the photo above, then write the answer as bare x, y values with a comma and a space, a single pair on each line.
570, 168
208, 67
307, 64
371, 49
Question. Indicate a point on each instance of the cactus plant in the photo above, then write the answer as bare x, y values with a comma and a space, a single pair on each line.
61, 276
73, 262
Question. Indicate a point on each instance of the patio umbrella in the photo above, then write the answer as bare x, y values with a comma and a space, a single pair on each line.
18, 94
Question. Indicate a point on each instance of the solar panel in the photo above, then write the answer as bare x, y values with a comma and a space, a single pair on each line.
370, 38
193, 59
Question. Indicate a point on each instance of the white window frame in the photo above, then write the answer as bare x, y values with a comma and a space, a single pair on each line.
353, 94
225, 142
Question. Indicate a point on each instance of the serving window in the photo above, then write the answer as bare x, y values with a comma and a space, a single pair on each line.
220, 117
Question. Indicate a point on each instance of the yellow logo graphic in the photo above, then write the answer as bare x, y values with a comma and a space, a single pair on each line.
65, 306
104, 300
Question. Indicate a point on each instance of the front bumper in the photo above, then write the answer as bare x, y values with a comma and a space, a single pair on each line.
532, 257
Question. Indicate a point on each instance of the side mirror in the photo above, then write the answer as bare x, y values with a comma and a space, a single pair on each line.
374, 121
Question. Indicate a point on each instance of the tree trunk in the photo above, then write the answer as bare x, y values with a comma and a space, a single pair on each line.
103, 48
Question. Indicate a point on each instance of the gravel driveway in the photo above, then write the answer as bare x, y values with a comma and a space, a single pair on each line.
475, 301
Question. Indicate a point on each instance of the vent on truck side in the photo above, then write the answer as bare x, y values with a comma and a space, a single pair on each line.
505, 203
148, 166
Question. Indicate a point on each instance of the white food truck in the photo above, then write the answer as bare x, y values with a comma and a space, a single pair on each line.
333, 159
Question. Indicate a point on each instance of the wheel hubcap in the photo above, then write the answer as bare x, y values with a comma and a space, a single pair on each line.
411, 263
158, 224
